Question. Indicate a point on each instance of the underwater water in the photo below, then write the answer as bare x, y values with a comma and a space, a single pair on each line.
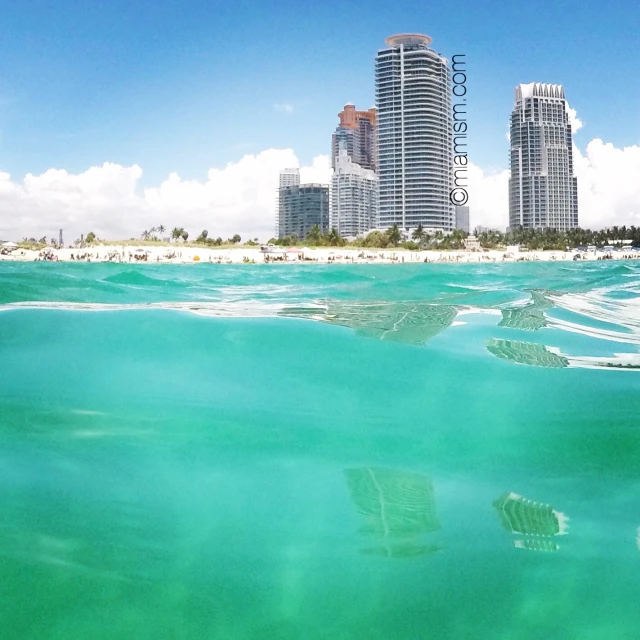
290, 451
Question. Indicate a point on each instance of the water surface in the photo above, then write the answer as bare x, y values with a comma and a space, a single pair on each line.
280, 451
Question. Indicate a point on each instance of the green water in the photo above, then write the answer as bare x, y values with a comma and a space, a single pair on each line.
416, 451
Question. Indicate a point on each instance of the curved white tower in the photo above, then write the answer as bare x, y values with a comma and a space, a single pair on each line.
414, 134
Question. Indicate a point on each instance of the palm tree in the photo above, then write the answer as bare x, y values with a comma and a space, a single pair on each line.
315, 235
145, 235
418, 233
160, 229
394, 235
176, 233
335, 239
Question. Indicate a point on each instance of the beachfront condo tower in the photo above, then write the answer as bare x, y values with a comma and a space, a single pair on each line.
543, 192
414, 135
354, 196
303, 206
355, 133
288, 178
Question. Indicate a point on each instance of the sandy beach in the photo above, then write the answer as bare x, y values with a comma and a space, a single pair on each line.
177, 254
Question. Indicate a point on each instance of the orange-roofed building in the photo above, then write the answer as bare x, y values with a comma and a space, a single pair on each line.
356, 132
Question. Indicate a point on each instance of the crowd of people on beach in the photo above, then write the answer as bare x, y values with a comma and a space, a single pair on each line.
322, 255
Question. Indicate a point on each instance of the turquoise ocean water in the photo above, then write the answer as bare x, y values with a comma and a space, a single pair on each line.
282, 452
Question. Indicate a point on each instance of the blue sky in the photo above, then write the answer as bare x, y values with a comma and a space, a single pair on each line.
185, 86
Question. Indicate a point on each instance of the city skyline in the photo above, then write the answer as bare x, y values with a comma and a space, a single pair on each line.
138, 151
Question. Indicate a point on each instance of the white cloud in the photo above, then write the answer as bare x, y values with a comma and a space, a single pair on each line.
319, 171
608, 185
240, 198
284, 107
574, 121
488, 198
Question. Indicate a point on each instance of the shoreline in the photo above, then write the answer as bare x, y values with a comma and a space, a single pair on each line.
176, 254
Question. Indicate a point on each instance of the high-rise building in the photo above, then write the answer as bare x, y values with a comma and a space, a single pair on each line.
414, 135
462, 219
303, 206
356, 133
354, 197
543, 192
288, 178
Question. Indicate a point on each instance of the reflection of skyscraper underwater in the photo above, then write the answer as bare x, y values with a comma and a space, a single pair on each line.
407, 322
416, 322
538, 523
538, 355
398, 511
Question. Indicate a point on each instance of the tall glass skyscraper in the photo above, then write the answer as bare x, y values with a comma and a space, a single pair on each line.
414, 135
543, 192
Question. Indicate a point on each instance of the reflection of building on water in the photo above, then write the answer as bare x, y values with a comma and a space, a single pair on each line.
398, 507
537, 521
408, 322
530, 317
401, 549
538, 355
536, 544
529, 353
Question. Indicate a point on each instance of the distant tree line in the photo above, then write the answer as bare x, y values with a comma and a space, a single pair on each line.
549, 239
392, 237
553, 240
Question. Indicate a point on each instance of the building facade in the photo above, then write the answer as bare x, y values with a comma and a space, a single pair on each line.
414, 135
354, 197
288, 178
301, 207
356, 133
462, 219
543, 191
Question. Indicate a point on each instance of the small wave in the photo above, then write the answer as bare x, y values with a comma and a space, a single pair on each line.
138, 279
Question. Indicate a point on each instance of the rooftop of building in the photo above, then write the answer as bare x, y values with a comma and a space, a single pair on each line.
307, 185
350, 116
408, 39
539, 90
